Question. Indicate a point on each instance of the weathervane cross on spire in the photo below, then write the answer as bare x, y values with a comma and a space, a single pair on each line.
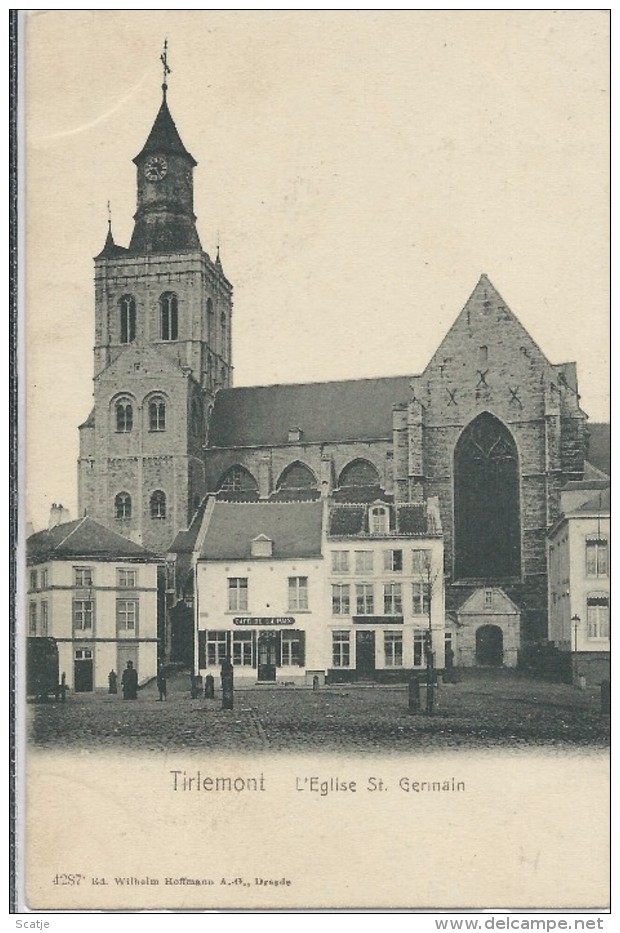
167, 71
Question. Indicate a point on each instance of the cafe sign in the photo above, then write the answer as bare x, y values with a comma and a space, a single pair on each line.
263, 620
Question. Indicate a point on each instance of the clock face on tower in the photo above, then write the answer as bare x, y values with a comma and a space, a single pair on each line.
155, 168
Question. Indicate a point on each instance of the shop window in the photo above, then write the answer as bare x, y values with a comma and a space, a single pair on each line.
217, 647
392, 599
237, 594
393, 649
298, 592
341, 649
341, 599
364, 599
243, 649
293, 649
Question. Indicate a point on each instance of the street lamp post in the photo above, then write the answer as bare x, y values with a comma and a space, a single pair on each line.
575, 620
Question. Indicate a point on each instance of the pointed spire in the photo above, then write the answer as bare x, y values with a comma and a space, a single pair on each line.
110, 249
218, 261
164, 137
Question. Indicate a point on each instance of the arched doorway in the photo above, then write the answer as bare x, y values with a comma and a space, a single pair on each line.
487, 519
489, 646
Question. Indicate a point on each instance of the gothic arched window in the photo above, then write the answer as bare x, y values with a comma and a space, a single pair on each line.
124, 416
359, 473
297, 476
128, 318
169, 307
238, 479
487, 518
122, 505
157, 414
158, 504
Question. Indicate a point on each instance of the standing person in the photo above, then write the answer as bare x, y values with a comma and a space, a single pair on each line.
161, 681
112, 682
129, 682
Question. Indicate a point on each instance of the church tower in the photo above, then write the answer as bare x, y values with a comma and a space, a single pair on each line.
162, 350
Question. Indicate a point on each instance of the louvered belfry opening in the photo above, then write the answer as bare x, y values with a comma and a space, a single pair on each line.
487, 521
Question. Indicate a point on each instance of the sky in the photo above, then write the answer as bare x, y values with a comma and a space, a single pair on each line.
360, 170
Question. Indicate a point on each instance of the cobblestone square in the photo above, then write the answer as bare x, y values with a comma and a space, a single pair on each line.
493, 711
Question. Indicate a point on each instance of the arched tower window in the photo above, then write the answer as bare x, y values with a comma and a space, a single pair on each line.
359, 473
122, 506
238, 479
297, 476
124, 416
169, 308
487, 517
157, 414
128, 318
158, 504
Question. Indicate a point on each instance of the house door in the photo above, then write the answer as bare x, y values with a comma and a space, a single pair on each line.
83, 670
365, 655
268, 655
489, 646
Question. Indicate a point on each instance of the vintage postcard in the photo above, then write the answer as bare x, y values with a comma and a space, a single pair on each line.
315, 543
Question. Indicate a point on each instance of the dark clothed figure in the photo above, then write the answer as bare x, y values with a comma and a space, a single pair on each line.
161, 682
112, 682
129, 682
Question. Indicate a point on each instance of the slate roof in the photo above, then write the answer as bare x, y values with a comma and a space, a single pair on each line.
352, 520
599, 503
294, 528
599, 446
164, 137
324, 411
82, 539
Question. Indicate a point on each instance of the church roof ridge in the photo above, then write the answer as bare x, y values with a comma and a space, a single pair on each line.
322, 382
164, 137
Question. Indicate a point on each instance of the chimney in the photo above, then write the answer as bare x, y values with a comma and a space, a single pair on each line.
58, 515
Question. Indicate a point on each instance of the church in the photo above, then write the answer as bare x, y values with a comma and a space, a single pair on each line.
491, 431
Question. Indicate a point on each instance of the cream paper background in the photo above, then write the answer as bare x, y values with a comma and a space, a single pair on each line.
335, 217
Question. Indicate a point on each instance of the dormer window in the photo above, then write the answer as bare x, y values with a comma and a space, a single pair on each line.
262, 546
295, 435
378, 520
169, 309
128, 318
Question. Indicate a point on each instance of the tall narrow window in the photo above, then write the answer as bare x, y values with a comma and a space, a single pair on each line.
128, 318
341, 649
169, 306
158, 504
126, 616
364, 599
83, 612
597, 563
341, 599
421, 598
32, 619
392, 599
124, 416
298, 592
237, 594
393, 648
598, 615
44, 619
157, 414
122, 506
379, 521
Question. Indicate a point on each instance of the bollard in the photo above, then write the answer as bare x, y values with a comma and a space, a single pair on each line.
606, 698
315, 682
227, 685
414, 696
209, 687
